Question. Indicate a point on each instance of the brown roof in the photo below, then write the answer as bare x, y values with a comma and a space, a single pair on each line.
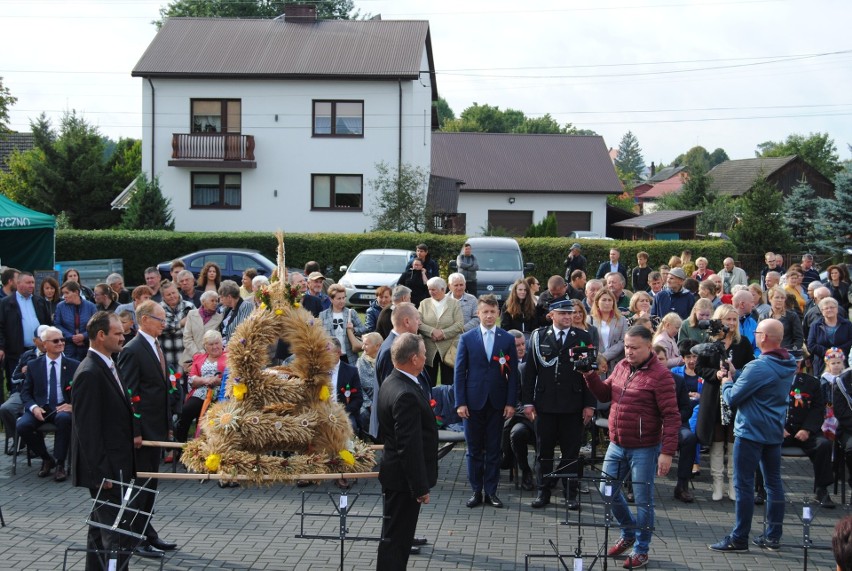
735, 178
525, 163
245, 48
443, 195
657, 218
10, 142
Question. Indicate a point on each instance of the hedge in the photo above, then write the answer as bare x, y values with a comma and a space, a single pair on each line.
142, 248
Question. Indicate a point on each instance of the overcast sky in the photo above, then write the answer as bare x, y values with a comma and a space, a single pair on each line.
677, 73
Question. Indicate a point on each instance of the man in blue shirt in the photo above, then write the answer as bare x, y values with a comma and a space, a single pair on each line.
18, 313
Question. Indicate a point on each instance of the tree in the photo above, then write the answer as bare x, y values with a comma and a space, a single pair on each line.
490, 119
266, 9
761, 227
699, 155
718, 157
545, 228
148, 209
6, 101
445, 113
625, 200
399, 198
834, 214
801, 216
629, 158
817, 149
125, 163
66, 172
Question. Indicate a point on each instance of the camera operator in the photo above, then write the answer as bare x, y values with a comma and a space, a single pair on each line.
712, 364
557, 400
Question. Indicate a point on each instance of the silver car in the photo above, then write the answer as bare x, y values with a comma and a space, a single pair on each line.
371, 269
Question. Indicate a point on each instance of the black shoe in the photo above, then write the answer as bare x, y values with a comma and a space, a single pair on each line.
61, 475
148, 551
158, 543
729, 545
574, 505
493, 500
415, 550
47, 466
765, 543
760, 497
527, 482
684, 495
418, 541
474, 500
542, 499
824, 499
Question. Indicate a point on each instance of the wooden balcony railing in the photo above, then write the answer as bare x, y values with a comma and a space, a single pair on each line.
231, 147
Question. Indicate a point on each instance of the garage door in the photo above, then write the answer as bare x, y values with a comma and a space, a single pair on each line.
515, 222
567, 222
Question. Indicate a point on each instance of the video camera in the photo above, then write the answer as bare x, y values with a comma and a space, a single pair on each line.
713, 326
585, 359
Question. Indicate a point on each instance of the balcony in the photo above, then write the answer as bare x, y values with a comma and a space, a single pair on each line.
221, 150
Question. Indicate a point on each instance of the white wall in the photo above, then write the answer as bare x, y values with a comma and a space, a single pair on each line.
477, 204
285, 152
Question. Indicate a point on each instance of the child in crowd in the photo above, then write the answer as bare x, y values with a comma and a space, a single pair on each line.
694, 384
835, 362
640, 273
666, 337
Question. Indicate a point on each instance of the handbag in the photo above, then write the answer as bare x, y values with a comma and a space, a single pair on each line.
356, 343
449, 357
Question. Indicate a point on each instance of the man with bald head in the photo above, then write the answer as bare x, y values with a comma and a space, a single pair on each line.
760, 396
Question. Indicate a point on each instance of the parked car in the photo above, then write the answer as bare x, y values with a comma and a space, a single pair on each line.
586, 235
500, 265
232, 262
371, 269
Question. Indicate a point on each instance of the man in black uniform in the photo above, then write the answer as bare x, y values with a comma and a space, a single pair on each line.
556, 398
804, 429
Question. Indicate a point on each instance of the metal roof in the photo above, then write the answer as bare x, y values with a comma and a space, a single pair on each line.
11, 142
664, 173
525, 163
657, 218
673, 184
735, 178
443, 194
248, 48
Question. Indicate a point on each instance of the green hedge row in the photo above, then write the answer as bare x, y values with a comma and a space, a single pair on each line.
140, 249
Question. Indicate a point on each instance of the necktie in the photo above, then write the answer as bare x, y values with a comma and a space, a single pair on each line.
489, 343
560, 339
161, 357
51, 389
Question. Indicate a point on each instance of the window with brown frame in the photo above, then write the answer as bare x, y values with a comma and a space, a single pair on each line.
216, 115
216, 190
337, 192
338, 119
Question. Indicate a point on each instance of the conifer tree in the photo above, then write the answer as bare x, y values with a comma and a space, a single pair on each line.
148, 209
834, 213
761, 226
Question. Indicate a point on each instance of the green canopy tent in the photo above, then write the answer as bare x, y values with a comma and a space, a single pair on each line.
27, 237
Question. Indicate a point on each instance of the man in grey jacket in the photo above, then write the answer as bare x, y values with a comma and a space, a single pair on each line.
468, 266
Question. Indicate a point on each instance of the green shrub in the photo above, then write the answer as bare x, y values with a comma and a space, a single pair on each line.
142, 248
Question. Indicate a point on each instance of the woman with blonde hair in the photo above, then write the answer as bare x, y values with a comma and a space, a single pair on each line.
674, 262
759, 298
367, 373
794, 287
701, 311
611, 326
793, 336
640, 306
666, 337
519, 311
715, 425
702, 272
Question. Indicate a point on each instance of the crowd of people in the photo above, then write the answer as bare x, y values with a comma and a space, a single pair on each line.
673, 346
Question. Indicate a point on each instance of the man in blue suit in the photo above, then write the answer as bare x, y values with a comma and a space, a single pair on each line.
46, 396
486, 386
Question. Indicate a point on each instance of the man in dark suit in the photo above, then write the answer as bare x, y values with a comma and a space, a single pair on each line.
556, 398
144, 372
613, 265
19, 312
347, 387
46, 397
409, 467
104, 443
486, 386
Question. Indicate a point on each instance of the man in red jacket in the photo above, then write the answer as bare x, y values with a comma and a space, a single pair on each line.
643, 420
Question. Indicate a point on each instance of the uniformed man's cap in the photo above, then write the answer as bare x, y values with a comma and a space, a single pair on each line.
562, 305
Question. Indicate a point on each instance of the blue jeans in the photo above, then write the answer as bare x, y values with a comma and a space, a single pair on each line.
642, 463
748, 454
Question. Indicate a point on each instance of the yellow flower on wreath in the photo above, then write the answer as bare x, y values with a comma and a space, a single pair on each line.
212, 462
347, 457
239, 390
324, 393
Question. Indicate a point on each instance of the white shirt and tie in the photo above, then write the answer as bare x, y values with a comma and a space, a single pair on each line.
53, 367
488, 341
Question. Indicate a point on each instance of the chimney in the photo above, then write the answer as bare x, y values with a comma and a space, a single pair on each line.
653, 169
304, 13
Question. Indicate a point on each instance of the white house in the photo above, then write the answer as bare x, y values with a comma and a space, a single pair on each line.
511, 181
268, 124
